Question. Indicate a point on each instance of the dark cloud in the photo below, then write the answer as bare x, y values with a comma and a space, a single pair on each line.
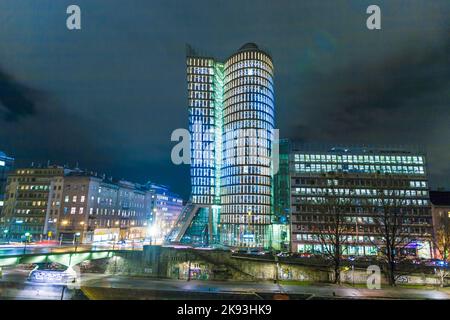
16, 100
400, 97
115, 90
360, 95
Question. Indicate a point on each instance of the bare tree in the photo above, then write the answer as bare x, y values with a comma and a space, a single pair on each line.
442, 244
390, 218
332, 230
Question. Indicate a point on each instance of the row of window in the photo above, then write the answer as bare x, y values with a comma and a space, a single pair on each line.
103, 211
245, 124
324, 168
360, 192
35, 187
200, 70
369, 201
375, 182
249, 106
248, 59
304, 209
359, 159
246, 160
246, 179
245, 64
245, 115
245, 218
255, 84
247, 72
241, 170
246, 189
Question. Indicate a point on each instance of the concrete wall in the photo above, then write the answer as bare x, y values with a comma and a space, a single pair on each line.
156, 261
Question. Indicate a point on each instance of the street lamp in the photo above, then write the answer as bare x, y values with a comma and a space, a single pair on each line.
114, 242
27, 235
152, 232
76, 238
5, 234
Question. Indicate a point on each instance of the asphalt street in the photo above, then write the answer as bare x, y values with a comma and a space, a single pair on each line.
14, 285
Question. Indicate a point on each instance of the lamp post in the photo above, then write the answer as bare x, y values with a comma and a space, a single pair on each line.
27, 235
76, 239
5, 234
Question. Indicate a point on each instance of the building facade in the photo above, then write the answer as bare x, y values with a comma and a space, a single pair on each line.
96, 209
32, 200
231, 122
360, 181
69, 204
440, 208
166, 207
6, 165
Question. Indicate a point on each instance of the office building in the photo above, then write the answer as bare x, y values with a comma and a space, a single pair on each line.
98, 209
166, 207
56, 203
231, 122
32, 200
360, 180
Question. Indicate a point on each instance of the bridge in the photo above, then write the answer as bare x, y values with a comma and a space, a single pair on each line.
68, 259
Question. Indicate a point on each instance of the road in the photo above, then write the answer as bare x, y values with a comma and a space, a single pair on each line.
14, 285
259, 288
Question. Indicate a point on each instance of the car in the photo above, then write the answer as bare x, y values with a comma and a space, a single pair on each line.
436, 263
283, 254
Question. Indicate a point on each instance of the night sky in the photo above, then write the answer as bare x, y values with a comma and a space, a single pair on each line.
108, 96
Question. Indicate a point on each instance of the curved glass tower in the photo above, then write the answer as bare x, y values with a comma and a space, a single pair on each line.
231, 123
248, 123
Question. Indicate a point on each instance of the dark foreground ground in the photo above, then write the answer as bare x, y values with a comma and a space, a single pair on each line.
95, 286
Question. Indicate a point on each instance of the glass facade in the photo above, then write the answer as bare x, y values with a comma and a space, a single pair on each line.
202, 124
231, 121
322, 163
361, 181
282, 200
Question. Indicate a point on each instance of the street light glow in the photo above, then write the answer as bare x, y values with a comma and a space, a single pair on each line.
153, 230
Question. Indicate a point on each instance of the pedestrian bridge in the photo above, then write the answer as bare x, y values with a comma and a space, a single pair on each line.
68, 259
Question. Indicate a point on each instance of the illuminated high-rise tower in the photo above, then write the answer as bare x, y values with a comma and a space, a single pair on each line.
231, 122
248, 124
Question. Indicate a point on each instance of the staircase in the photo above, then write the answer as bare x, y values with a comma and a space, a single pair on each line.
183, 222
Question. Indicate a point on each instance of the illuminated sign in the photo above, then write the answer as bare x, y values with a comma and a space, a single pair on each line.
2, 163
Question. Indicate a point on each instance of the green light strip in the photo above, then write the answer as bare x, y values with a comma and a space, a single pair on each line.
218, 111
